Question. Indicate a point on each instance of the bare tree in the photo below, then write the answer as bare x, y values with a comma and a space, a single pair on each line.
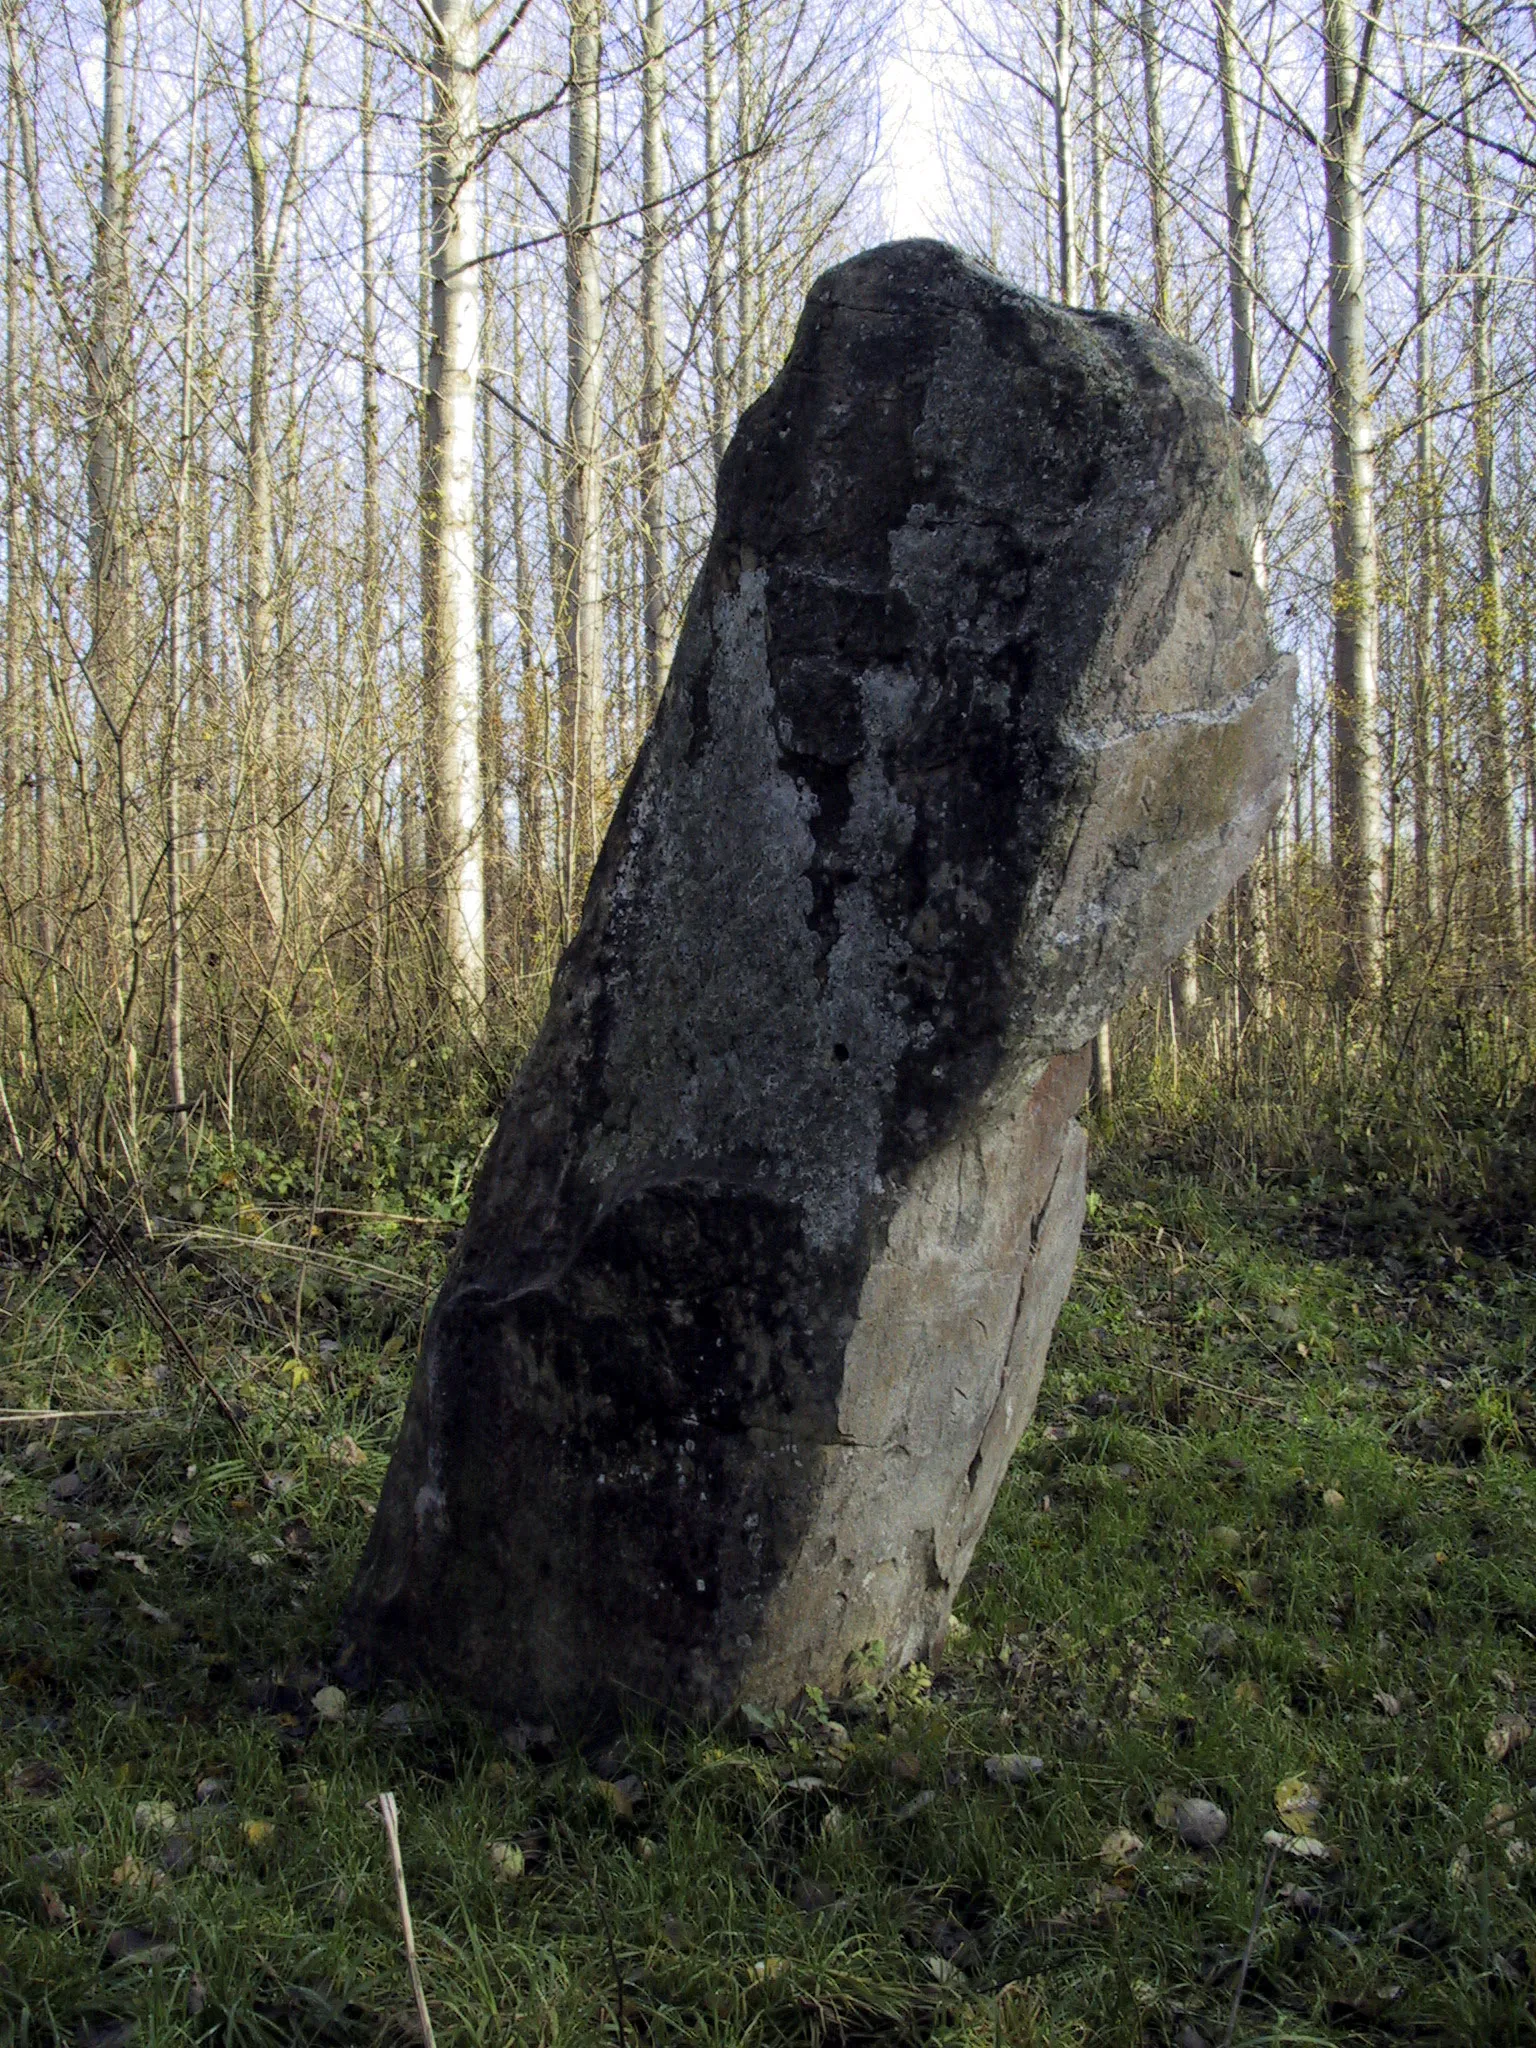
1496, 853
450, 655
653, 331
581, 580
1148, 29
269, 721
1356, 562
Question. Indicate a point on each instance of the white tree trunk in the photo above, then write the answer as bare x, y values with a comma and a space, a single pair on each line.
176, 650
653, 374
1157, 159
451, 679
582, 578
1063, 65
492, 719
370, 780
1426, 593
1098, 162
1356, 559
261, 663
1241, 299
1496, 853
714, 241
746, 182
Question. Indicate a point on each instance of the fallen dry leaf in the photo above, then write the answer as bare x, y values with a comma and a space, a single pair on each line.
507, 1861
1298, 1804
1506, 1735
1014, 1769
105, 2033
622, 1794
1389, 1703
137, 1945
330, 1703
259, 1833
344, 1450
55, 1912
154, 1817
181, 1535
1305, 1848
915, 1806
1333, 1500
1120, 1848
33, 1780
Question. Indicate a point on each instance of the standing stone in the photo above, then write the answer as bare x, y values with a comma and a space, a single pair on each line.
973, 718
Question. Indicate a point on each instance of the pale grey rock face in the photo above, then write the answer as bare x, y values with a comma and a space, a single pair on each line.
974, 716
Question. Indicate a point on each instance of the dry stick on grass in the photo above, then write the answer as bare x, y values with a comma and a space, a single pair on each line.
389, 1814
15, 1418
1247, 1962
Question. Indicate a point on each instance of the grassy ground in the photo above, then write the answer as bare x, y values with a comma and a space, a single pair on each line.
1273, 1524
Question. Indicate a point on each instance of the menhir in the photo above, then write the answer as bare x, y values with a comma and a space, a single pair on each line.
974, 717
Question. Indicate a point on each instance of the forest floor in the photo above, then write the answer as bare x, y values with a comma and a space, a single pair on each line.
1268, 1545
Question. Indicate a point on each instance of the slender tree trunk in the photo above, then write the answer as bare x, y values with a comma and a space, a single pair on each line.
1420, 767
176, 650
1157, 159
1496, 858
1063, 65
653, 375
1356, 563
1240, 234
109, 480
492, 720
746, 176
371, 793
1103, 1080
1098, 160
451, 670
12, 805
261, 655
714, 241
1251, 928
582, 580
533, 761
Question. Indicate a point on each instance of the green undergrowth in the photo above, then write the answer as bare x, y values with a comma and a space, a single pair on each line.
1273, 1522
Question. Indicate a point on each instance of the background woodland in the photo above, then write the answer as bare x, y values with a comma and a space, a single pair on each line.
365, 380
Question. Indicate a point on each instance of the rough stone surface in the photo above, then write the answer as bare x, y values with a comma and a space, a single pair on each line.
974, 716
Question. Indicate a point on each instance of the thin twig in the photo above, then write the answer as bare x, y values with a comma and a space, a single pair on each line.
1253, 1935
13, 1418
389, 1814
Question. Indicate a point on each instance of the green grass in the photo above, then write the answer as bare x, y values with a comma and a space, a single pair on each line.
1274, 1520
